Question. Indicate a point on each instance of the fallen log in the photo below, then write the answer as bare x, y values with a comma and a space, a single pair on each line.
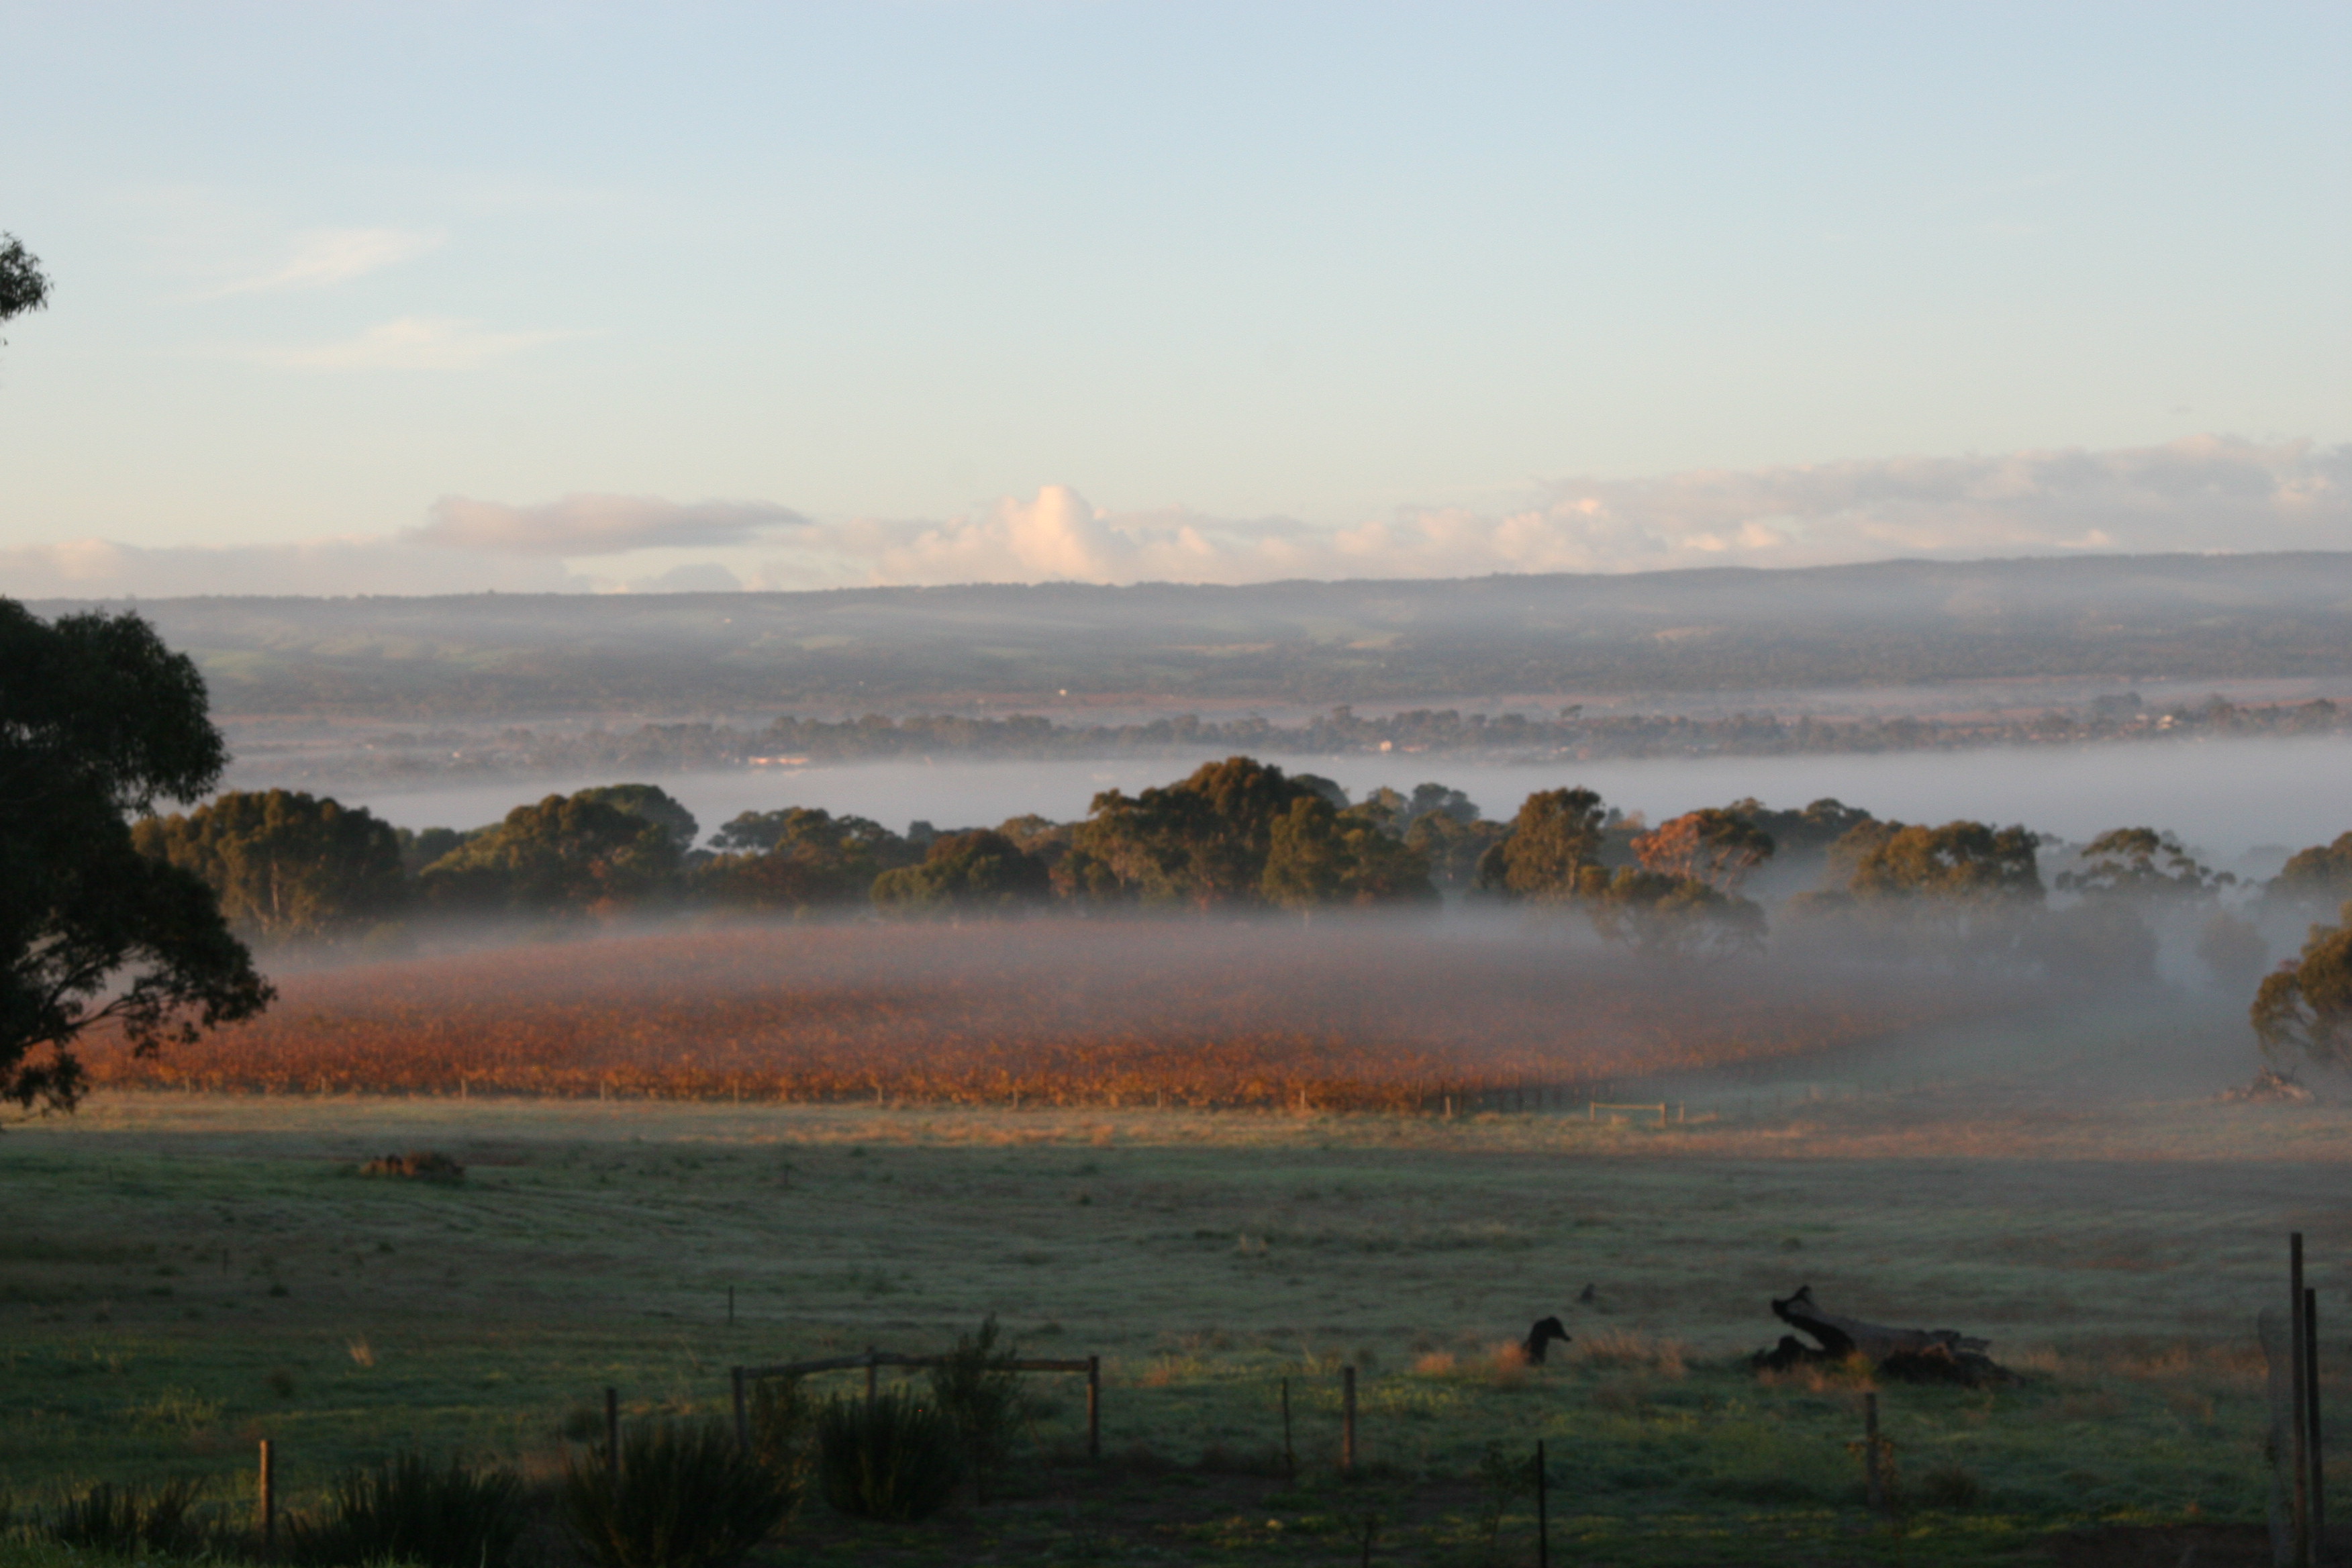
1907, 1355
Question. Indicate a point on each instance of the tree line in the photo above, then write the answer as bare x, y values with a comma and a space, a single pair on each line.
1570, 733
1242, 835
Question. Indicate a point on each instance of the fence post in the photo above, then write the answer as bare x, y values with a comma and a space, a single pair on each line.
742, 1416
1094, 1409
1290, 1454
612, 1435
1874, 1479
2305, 1552
2318, 1509
1347, 1420
871, 1362
1543, 1511
268, 1500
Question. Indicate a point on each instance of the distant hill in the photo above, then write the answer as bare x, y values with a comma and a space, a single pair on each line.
895, 649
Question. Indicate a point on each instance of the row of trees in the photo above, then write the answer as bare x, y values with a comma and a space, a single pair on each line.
1237, 835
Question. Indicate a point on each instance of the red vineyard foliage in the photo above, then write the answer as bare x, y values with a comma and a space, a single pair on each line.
1046, 1013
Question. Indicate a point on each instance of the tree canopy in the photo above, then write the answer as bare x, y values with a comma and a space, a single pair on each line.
23, 287
1556, 834
1963, 861
2304, 1008
1808, 832
1317, 856
2319, 875
2141, 863
1717, 848
801, 857
285, 865
978, 872
1239, 834
565, 855
98, 721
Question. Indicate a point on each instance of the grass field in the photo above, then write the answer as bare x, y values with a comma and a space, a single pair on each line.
183, 1274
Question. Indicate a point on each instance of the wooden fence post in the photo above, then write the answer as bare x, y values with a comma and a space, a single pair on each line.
742, 1416
2304, 1551
1874, 1479
1290, 1454
1347, 1420
1094, 1409
2318, 1504
612, 1435
268, 1500
1543, 1511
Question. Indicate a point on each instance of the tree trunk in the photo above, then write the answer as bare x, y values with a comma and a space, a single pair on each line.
1911, 1355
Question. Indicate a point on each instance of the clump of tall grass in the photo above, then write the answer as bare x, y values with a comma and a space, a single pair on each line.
891, 1458
976, 1388
125, 1522
408, 1509
686, 1497
784, 1432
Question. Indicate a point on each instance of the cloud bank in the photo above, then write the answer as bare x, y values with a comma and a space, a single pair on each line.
2206, 493
595, 524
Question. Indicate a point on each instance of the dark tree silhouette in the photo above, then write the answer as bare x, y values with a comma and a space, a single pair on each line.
23, 287
99, 721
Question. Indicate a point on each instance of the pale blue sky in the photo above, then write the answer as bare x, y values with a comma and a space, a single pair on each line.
1271, 287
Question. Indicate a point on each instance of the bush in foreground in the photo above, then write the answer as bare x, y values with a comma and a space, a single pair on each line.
407, 1509
975, 1387
686, 1498
889, 1458
123, 1521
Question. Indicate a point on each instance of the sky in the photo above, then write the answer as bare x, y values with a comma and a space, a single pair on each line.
444, 297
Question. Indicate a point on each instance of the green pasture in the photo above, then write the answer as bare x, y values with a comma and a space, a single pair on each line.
182, 1276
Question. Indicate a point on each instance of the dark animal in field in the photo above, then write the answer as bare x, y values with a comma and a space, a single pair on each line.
1545, 1331
1907, 1355
1588, 1296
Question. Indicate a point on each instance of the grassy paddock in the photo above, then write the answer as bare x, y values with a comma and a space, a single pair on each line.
182, 1274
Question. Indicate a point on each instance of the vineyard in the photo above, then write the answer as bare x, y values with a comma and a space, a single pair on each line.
1044, 1012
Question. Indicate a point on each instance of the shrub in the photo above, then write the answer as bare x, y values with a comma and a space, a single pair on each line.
405, 1508
687, 1498
124, 1522
783, 1420
975, 1387
892, 1458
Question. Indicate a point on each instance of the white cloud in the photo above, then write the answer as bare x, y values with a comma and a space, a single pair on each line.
2201, 494
411, 342
594, 524
96, 569
337, 255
